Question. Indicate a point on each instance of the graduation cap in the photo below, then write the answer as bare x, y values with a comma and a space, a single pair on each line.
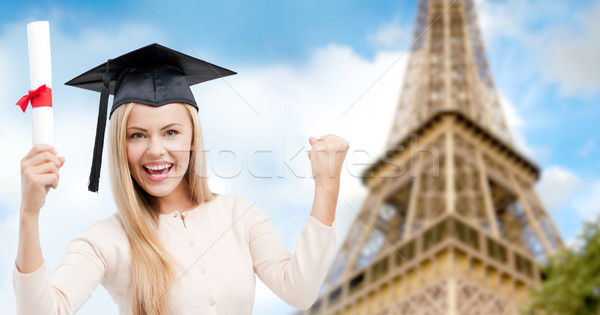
153, 75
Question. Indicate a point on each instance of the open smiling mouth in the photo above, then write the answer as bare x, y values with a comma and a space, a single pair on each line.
158, 171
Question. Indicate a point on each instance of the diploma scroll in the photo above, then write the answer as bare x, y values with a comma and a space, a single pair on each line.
40, 73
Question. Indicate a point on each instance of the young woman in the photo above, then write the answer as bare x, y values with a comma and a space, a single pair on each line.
173, 247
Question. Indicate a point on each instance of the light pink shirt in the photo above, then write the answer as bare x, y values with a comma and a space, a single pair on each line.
223, 243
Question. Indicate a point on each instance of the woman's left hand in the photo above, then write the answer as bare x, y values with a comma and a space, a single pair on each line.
327, 156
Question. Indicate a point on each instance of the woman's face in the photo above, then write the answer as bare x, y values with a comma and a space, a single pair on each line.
159, 141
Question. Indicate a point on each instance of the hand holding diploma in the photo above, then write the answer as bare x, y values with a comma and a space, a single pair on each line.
39, 172
39, 169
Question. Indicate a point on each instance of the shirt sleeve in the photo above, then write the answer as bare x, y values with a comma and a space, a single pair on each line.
295, 278
75, 279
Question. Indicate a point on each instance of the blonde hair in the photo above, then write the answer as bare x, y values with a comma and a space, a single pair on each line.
153, 268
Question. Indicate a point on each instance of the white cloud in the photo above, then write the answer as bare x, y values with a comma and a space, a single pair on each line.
588, 203
516, 127
571, 57
569, 199
501, 19
390, 35
566, 50
266, 302
557, 186
513, 119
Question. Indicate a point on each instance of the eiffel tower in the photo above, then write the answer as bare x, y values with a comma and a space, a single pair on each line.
451, 224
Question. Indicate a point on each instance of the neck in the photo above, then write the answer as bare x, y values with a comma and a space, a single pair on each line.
178, 200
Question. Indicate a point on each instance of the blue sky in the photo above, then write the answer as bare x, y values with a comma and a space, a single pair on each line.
244, 31
300, 64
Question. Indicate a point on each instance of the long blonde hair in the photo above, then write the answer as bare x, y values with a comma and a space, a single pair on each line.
153, 268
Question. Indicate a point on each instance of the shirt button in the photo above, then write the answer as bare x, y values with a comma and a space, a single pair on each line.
212, 301
191, 244
184, 214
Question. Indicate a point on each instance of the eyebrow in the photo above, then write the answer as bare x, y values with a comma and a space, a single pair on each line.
170, 125
163, 128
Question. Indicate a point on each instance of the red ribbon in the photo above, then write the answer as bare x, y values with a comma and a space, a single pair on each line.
42, 96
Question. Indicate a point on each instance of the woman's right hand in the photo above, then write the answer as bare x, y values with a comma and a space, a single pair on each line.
39, 172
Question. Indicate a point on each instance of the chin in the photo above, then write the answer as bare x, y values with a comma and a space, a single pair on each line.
160, 189
158, 192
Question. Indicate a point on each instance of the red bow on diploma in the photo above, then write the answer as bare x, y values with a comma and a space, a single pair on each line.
42, 96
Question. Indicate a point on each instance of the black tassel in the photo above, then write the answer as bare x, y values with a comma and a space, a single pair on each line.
100, 129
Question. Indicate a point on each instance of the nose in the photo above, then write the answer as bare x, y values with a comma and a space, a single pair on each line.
156, 147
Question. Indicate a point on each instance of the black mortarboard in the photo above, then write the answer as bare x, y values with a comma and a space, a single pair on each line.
152, 75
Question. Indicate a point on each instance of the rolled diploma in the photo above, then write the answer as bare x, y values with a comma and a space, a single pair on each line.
40, 73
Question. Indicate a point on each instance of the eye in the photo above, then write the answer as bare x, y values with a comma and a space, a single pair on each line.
171, 133
136, 135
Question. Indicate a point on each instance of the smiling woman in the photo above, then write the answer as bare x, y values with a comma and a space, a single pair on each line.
159, 141
173, 247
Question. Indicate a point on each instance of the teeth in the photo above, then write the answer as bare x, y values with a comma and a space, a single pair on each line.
157, 167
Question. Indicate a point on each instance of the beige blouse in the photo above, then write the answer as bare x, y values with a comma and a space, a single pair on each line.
222, 244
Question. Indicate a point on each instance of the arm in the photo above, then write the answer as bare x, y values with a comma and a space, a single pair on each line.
83, 267
295, 278
36, 292
29, 253
39, 170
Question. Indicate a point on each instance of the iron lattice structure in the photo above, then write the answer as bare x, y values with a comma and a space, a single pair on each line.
452, 223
